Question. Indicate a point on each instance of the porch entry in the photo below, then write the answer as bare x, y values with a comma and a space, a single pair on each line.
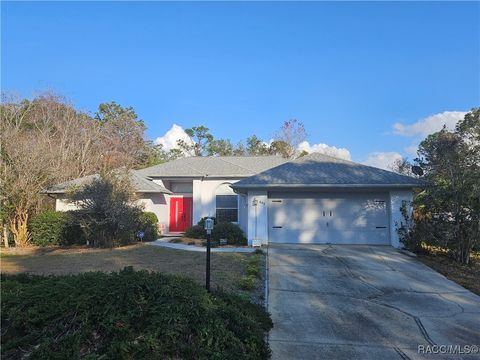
180, 213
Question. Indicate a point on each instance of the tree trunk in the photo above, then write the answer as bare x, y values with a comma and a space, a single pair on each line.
19, 228
5, 235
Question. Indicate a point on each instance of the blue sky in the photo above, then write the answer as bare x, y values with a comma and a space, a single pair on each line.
348, 71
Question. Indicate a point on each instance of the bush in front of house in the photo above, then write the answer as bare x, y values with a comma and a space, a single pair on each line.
47, 228
229, 231
54, 228
202, 221
73, 234
108, 214
195, 232
148, 224
127, 315
225, 230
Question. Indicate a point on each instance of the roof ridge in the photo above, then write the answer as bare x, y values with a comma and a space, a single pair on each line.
326, 155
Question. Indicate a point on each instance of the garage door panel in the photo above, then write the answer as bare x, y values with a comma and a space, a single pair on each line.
329, 218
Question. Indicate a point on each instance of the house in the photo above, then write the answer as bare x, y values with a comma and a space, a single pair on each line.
313, 199
182, 191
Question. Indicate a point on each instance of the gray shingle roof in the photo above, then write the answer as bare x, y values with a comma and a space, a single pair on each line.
318, 170
140, 183
213, 166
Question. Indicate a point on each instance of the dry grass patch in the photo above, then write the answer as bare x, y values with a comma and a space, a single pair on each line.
227, 269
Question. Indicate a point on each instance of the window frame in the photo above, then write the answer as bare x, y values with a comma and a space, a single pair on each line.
224, 190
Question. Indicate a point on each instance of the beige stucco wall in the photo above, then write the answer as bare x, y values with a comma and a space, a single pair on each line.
153, 202
62, 204
156, 203
204, 191
257, 228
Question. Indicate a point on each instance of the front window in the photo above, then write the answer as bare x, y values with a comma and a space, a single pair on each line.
226, 204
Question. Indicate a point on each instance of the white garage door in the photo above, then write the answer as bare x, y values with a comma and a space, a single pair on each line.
355, 218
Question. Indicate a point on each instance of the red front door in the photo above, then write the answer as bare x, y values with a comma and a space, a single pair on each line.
180, 213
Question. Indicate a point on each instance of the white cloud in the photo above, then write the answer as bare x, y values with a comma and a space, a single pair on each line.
382, 160
341, 153
412, 149
430, 124
169, 140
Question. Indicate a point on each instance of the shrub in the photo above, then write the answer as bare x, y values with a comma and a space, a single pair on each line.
229, 231
195, 232
56, 228
47, 228
148, 224
73, 233
127, 315
225, 230
202, 221
247, 282
253, 265
253, 270
107, 213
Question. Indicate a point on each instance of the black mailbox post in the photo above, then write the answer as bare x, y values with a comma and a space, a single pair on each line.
208, 228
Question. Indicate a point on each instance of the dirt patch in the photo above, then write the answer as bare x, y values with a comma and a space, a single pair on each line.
227, 268
466, 275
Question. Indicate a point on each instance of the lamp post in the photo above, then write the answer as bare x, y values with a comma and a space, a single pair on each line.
208, 228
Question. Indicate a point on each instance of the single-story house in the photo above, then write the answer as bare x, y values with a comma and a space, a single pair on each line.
313, 199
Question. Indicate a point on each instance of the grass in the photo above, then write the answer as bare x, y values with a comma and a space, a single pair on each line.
466, 275
226, 269
253, 278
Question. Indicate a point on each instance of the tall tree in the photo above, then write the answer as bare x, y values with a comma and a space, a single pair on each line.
46, 141
220, 147
256, 146
402, 166
282, 148
200, 138
288, 137
122, 135
451, 161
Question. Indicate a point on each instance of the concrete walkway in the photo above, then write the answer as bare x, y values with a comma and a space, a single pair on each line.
364, 302
166, 244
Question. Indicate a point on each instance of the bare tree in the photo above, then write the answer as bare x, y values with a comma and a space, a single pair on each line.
288, 137
402, 166
46, 141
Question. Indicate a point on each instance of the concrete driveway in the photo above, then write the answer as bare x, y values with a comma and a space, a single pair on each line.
364, 302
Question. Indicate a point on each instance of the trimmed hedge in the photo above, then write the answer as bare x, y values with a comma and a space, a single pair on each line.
63, 228
148, 224
202, 221
127, 315
195, 232
225, 230
229, 231
47, 228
